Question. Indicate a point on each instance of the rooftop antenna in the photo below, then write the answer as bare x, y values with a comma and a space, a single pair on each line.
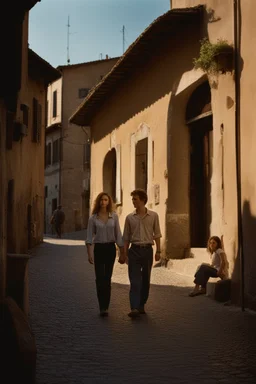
123, 31
68, 34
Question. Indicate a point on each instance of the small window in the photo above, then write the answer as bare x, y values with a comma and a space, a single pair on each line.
46, 191
48, 154
141, 164
56, 151
83, 92
87, 153
24, 108
37, 121
54, 105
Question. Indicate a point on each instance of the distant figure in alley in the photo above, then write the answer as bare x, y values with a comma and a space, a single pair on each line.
141, 230
57, 219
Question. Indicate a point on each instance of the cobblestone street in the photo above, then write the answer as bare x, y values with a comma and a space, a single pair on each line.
181, 340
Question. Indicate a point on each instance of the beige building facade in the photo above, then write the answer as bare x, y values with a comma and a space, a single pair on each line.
174, 131
67, 176
23, 89
52, 152
23, 105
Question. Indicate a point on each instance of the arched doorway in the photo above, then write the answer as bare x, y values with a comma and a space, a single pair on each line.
109, 174
199, 121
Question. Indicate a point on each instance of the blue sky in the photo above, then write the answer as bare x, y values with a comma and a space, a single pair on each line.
95, 27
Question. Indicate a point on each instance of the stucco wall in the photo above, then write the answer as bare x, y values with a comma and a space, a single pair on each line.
157, 96
25, 165
224, 192
248, 138
73, 169
142, 101
52, 182
56, 86
219, 23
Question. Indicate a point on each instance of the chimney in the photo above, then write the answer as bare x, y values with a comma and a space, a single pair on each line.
106, 57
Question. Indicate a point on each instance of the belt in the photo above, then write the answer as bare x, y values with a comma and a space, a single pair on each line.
141, 245
105, 243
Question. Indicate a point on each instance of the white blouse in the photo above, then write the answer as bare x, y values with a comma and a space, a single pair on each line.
219, 258
100, 232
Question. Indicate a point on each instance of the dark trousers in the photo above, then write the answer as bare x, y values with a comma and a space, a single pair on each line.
58, 229
203, 274
104, 259
139, 269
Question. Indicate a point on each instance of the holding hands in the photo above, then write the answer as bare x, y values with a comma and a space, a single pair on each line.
123, 257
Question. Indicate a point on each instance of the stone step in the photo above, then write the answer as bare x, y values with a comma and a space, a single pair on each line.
200, 254
219, 290
189, 265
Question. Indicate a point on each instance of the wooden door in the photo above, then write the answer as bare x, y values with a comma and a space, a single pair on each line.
200, 187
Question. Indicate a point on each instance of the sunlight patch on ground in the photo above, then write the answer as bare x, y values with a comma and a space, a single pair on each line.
68, 242
159, 276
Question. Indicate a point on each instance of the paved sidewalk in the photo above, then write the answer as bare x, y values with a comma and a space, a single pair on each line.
181, 340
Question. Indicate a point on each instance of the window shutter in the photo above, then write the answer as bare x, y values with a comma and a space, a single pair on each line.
39, 122
54, 109
34, 131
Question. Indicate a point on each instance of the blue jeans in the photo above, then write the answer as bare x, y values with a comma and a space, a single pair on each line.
139, 269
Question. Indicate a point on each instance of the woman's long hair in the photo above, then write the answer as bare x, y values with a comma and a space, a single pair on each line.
218, 241
96, 206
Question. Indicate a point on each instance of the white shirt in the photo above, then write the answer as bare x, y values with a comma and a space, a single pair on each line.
219, 259
142, 230
100, 232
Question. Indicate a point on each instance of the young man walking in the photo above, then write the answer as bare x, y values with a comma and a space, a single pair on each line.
141, 230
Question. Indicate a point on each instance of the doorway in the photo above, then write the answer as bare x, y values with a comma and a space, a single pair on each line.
109, 174
199, 121
141, 164
200, 187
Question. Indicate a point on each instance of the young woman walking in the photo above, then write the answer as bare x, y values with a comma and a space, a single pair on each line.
103, 234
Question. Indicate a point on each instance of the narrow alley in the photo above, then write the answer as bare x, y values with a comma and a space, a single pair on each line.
181, 340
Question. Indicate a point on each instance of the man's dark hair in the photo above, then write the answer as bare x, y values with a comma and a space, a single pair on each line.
59, 206
141, 193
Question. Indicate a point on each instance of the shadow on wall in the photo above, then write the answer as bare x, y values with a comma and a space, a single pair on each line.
249, 243
249, 249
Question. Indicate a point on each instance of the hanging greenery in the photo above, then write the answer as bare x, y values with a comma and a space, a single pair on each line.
214, 58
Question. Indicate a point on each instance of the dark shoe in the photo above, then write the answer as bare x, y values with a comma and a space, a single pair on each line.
104, 313
142, 310
134, 313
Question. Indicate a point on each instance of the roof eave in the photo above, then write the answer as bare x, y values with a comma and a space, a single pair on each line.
39, 68
86, 110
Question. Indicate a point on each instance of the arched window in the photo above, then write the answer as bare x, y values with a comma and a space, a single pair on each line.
109, 174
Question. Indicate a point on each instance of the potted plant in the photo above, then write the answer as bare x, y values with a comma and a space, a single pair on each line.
215, 57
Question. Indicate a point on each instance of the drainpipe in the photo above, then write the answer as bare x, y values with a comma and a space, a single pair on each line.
61, 142
237, 46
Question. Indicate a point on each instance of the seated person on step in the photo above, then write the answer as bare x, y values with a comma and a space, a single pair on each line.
217, 268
